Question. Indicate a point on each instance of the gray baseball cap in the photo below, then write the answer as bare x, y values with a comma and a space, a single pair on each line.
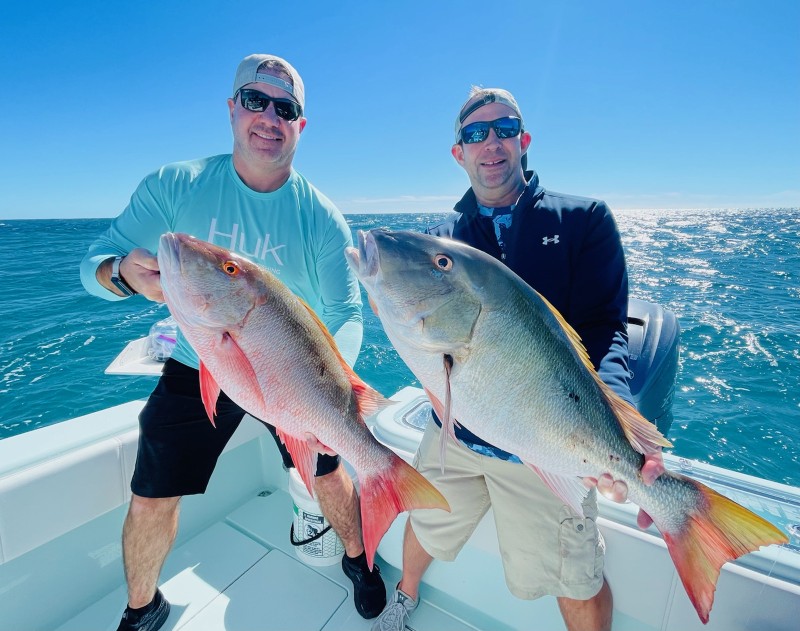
247, 72
482, 97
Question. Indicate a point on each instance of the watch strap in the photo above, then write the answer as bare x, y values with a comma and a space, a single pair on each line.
118, 281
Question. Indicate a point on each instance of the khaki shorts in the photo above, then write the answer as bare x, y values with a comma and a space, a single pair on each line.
546, 549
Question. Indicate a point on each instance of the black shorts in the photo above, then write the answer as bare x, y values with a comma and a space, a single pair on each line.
178, 445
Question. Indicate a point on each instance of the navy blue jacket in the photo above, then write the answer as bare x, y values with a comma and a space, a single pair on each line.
567, 248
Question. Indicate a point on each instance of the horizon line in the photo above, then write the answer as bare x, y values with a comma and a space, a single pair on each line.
433, 212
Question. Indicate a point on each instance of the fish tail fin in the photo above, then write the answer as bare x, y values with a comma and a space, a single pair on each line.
387, 493
716, 531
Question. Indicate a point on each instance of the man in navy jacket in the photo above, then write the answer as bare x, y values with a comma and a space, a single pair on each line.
568, 249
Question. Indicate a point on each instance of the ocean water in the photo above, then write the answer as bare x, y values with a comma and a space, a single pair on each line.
731, 276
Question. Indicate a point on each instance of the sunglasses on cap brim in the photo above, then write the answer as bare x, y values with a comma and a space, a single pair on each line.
255, 101
506, 127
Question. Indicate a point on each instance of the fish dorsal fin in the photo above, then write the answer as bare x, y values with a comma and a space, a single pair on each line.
643, 435
572, 334
369, 400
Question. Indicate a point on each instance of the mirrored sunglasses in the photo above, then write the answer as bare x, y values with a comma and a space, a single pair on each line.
506, 127
255, 101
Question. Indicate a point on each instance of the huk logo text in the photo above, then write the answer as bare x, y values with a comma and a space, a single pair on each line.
237, 241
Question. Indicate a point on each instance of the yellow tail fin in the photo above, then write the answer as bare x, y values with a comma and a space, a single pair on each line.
717, 531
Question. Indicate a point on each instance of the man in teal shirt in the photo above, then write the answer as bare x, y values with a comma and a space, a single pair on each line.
254, 203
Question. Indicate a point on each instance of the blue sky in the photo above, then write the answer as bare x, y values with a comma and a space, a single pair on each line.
643, 103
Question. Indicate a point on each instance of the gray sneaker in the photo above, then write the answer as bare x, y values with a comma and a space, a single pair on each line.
396, 613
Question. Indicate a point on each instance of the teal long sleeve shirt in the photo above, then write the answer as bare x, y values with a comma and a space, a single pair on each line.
295, 232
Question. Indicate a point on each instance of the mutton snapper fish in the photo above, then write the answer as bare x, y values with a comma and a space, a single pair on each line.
496, 357
268, 351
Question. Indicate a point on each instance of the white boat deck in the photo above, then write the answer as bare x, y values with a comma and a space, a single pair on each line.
242, 574
225, 579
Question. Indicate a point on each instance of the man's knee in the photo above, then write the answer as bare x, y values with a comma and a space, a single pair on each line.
338, 499
152, 506
334, 482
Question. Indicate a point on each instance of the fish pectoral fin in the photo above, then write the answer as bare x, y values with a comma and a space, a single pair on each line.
568, 488
448, 397
232, 355
448, 430
435, 404
209, 392
305, 461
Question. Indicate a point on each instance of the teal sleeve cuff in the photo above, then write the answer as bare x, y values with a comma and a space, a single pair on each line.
348, 340
89, 266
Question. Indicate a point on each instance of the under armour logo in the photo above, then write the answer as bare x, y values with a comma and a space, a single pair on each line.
553, 239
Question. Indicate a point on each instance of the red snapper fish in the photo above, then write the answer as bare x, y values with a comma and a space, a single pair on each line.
268, 351
494, 355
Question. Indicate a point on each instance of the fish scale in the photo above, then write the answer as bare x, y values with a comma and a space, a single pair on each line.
574, 420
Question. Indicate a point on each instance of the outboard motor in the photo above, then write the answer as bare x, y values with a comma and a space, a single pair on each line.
653, 349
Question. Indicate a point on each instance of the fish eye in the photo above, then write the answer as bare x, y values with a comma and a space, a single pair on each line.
231, 268
443, 262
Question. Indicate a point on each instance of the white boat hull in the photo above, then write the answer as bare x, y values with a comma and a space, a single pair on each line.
64, 492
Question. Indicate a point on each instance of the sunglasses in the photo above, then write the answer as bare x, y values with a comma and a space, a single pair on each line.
506, 127
255, 101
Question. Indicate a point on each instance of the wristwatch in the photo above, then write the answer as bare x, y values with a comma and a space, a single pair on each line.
118, 281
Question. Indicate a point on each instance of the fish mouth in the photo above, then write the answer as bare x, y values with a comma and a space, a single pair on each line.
364, 261
169, 264
186, 308
168, 254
